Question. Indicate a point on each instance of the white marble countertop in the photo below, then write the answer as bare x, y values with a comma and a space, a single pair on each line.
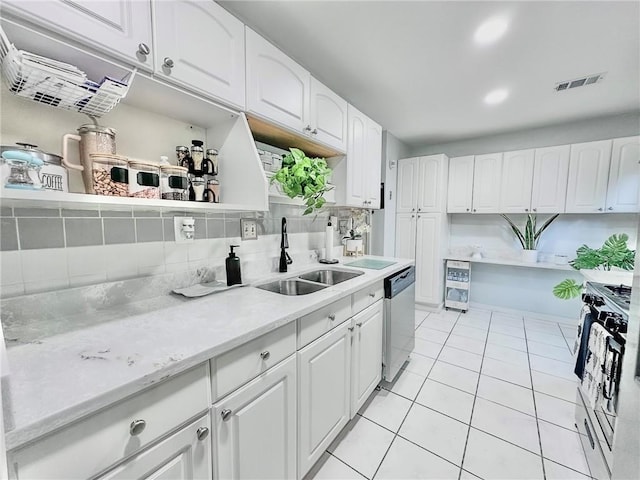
65, 377
612, 277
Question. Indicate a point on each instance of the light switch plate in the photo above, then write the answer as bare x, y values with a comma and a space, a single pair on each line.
248, 229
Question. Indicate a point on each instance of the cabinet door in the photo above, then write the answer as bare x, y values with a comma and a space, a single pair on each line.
432, 183
460, 185
487, 172
429, 262
185, 455
623, 193
407, 188
205, 44
588, 176
277, 87
255, 427
356, 156
324, 382
366, 364
373, 164
550, 171
406, 235
328, 119
119, 27
517, 180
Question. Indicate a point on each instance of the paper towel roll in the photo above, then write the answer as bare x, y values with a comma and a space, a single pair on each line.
328, 242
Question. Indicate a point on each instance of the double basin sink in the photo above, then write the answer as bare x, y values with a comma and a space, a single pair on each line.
309, 282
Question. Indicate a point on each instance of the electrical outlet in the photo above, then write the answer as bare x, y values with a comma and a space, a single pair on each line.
184, 229
248, 229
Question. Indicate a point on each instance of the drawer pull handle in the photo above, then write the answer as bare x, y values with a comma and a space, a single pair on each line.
167, 62
332, 317
225, 414
265, 355
143, 49
372, 295
351, 329
202, 433
137, 427
359, 324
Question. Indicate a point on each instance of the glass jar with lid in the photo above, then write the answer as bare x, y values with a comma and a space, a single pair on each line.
174, 183
213, 188
144, 179
110, 174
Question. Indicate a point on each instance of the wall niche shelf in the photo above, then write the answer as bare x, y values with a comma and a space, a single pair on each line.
512, 263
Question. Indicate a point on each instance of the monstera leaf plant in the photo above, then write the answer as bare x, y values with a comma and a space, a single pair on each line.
304, 177
613, 253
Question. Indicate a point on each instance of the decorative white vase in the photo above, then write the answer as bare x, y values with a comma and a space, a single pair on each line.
530, 256
354, 247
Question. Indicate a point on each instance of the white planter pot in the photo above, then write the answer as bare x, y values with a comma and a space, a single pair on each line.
530, 256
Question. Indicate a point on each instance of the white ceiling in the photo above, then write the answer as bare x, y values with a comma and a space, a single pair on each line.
414, 67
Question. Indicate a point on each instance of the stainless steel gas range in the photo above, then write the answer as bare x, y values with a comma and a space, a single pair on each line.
599, 349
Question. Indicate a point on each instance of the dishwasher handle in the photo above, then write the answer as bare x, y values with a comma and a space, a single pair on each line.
396, 283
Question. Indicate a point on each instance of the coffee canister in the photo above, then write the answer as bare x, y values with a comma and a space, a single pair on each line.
110, 174
144, 179
51, 176
213, 189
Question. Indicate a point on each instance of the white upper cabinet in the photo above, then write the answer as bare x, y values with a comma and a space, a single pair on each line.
407, 191
460, 185
328, 117
588, 176
515, 188
277, 87
357, 176
487, 172
421, 184
550, 172
373, 165
623, 194
120, 27
201, 45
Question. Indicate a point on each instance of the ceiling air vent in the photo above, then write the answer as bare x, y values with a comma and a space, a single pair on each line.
579, 82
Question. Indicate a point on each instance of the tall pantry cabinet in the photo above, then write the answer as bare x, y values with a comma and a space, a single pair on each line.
421, 222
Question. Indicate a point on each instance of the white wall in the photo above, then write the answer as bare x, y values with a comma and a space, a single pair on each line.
384, 221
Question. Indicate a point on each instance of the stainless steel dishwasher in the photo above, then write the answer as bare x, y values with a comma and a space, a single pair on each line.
399, 321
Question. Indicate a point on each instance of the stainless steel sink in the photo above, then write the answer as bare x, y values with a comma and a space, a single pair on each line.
330, 277
292, 287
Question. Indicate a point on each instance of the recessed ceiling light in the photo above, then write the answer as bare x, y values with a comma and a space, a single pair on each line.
491, 30
496, 96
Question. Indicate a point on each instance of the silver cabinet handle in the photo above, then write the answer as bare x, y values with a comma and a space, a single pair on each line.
332, 317
137, 427
534, 209
359, 324
474, 209
413, 209
467, 209
419, 209
307, 128
372, 295
526, 209
351, 329
413, 216
265, 355
167, 62
610, 208
202, 433
600, 209
225, 414
143, 49
314, 131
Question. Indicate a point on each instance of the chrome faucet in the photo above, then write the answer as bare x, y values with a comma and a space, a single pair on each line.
285, 259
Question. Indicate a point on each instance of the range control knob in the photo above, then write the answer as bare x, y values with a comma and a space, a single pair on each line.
591, 299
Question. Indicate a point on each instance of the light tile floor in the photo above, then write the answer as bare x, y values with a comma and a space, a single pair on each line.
486, 395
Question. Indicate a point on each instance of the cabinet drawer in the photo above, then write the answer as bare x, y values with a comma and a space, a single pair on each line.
90, 446
237, 367
367, 296
318, 323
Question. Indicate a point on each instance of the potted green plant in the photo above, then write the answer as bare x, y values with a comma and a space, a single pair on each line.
304, 177
613, 253
530, 236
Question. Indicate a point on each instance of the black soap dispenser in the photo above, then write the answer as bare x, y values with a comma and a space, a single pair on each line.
233, 267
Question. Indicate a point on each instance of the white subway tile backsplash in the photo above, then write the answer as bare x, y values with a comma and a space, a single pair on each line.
46, 285
10, 268
86, 261
121, 261
149, 255
83, 280
44, 265
14, 290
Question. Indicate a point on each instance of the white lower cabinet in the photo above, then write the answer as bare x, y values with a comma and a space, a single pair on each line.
185, 455
324, 383
366, 357
255, 427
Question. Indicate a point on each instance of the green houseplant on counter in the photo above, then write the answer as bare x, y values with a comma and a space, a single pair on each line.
304, 177
613, 253
530, 236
